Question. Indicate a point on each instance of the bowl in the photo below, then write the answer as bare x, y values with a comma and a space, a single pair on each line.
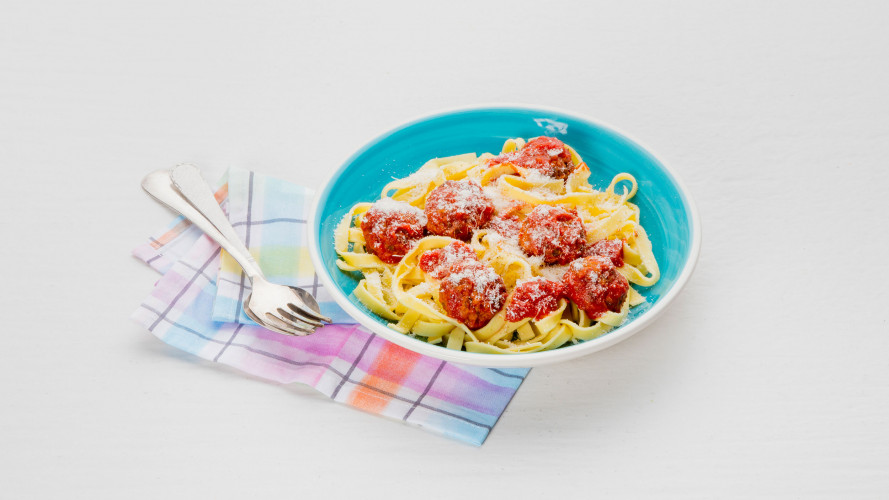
667, 210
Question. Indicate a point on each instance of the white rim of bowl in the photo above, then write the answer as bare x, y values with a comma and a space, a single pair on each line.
507, 360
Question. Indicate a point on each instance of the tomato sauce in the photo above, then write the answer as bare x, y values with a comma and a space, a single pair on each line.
554, 233
440, 262
390, 228
547, 155
613, 249
594, 284
457, 208
534, 299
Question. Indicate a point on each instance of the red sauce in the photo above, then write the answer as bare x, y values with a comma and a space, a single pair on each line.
554, 233
388, 233
457, 208
472, 294
440, 262
547, 155
507, 226
534, 299
613, 249
594, 284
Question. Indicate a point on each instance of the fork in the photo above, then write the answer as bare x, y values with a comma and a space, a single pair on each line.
287, 310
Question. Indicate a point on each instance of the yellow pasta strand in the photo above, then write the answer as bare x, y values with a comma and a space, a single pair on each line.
406, 296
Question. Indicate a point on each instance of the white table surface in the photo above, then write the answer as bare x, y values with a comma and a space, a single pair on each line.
769, 375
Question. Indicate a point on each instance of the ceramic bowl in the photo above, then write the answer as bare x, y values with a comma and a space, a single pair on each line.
668, 213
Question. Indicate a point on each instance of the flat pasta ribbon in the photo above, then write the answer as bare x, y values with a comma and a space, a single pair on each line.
408, 297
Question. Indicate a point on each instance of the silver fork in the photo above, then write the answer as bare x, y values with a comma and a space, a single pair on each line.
287, 310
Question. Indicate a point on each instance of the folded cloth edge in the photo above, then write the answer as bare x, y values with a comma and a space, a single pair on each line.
164, 253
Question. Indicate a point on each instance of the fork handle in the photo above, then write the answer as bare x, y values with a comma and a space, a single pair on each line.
159, 185
188, 181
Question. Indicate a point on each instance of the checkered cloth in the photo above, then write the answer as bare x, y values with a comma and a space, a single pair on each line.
343, 361
262, 210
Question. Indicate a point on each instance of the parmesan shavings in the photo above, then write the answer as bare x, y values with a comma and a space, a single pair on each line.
390, 206
485, 280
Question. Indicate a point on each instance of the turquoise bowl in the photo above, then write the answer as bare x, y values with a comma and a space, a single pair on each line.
667, 210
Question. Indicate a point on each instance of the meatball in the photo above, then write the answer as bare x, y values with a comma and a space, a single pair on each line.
472, 294
390, 227
440, 262
547, 155
554, 233
507, 226
594, 284
613, 249
534, 299
457, 208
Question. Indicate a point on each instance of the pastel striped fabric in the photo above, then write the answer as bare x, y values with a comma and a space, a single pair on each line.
262, 209
343, 361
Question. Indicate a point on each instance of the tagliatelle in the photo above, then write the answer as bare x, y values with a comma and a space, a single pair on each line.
406, 296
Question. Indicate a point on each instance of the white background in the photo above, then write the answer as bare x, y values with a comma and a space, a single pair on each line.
768, 376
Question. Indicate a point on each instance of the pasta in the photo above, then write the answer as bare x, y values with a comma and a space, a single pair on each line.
558, 283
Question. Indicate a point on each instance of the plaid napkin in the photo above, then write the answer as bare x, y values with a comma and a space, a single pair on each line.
269, 215
343, 361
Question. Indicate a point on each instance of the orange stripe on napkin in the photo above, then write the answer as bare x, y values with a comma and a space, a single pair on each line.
221, 193
170, 235
392, 366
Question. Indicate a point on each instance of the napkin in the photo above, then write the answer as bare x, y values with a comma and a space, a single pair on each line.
273, 213
343, 361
